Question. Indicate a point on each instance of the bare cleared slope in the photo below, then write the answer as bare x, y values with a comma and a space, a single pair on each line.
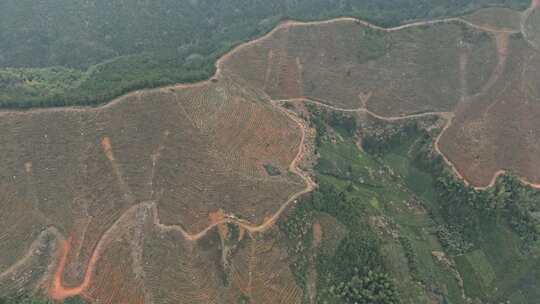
486, 75
188, 151
500, 129
348, 64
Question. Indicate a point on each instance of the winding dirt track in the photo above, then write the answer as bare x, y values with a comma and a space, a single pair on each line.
58, 291
535, 4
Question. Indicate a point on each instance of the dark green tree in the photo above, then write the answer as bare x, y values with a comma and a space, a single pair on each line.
371, 288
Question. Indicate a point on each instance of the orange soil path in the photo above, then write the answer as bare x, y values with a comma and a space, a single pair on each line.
57, 290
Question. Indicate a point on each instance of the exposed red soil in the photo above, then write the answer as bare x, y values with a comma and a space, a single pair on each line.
58, 291
535, 4
107, 148
317, 234
218, 218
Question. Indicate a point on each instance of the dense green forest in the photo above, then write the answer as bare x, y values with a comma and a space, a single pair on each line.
65, 52
413, 230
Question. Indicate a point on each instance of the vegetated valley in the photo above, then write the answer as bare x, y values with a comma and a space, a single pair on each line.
407, 230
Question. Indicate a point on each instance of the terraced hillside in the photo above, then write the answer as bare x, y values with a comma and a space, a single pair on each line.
172, 195
168, 158
481, 71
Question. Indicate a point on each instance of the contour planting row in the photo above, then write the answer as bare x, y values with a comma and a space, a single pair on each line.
469, 67
189, 152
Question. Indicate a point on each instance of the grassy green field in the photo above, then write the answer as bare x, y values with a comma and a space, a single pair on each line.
87, 52
393, 208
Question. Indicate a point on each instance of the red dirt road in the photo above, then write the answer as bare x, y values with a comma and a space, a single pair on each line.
57, 290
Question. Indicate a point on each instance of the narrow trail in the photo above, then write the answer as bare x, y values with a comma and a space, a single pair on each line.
535, 5
363, 110
502, 172
400, 27
58, 291
501, 45
32, 251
